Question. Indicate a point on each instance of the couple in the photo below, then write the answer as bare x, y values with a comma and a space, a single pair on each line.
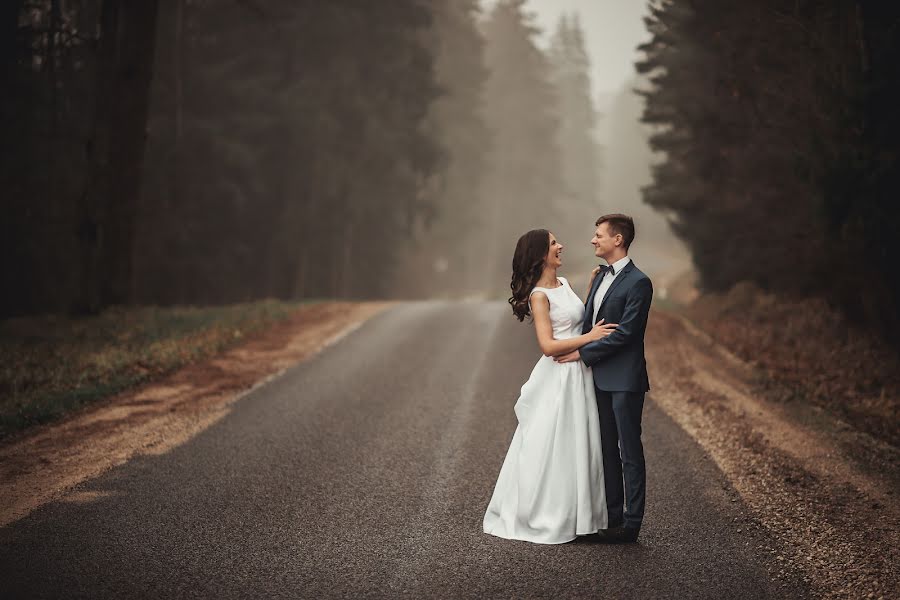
575, 465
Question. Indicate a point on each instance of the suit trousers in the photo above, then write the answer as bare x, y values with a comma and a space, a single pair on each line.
623, 456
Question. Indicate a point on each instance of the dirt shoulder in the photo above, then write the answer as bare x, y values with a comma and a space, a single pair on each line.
45, 463
52, 365
827, 492
806, 352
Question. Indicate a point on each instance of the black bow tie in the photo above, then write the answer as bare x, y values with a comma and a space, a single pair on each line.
607, 269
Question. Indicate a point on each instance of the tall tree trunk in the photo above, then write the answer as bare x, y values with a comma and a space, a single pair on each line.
299, 290
9, 28
178, 68
116, 147
346, 265
10, 53
55, 18
178, 56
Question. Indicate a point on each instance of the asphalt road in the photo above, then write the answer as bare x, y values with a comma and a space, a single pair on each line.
366, 472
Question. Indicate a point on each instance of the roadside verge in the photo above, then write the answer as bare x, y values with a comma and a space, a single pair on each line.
797, 469
45, 463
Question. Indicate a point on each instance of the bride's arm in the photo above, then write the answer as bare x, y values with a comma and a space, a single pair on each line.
550, 346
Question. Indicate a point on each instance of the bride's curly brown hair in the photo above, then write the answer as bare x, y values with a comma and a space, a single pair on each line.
527, 266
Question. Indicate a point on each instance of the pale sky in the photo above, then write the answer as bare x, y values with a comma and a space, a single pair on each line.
613, 29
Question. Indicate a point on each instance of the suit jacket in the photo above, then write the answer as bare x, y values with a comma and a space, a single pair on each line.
618, 359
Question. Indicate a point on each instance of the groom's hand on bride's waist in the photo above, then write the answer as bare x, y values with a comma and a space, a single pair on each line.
566, 358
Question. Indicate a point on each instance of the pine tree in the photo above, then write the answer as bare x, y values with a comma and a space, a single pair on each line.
309, 139
73, 109
579, 154
524, 187
730, 140
772, 119
442, 263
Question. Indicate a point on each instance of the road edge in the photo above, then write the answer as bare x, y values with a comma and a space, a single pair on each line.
47, 463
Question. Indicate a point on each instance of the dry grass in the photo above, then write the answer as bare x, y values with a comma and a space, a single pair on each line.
807, 351
51, 365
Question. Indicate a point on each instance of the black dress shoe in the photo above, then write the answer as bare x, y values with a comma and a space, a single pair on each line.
591, 538
621, 535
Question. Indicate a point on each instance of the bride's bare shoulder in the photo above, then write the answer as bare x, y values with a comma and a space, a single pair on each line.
539, 296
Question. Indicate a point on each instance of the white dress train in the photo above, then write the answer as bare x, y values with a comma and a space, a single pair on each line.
550, 488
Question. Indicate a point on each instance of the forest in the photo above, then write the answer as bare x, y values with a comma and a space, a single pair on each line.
778, 122
214, 151
174, 152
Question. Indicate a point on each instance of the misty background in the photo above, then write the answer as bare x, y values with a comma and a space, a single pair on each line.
218, 151
613, 30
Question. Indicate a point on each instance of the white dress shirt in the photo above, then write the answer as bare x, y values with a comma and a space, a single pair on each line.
606, 282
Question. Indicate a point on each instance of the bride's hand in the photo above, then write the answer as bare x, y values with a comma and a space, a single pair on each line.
602, 329
593, 275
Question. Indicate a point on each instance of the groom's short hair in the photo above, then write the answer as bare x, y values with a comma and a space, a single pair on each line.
619, 224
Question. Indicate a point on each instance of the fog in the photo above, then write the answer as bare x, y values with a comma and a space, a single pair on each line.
304, 149
613, 29
626, 170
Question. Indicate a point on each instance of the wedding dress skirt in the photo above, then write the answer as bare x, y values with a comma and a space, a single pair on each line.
550, 488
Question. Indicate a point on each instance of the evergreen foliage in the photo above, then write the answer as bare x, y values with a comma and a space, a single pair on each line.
780, 149
213, 151
440, 261
305, 151
579, 152
525, 180
73, 114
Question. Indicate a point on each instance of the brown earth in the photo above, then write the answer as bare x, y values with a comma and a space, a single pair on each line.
827, 491
43, 464
806, 352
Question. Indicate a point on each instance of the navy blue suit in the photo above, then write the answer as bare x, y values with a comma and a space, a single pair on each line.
620, 381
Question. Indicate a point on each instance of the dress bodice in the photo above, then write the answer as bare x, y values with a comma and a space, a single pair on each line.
566, 309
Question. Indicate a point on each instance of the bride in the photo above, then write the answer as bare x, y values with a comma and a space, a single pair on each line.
550, 488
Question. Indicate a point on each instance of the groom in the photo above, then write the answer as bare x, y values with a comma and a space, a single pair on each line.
620, 293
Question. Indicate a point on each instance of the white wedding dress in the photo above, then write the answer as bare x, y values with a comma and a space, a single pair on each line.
550, 488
